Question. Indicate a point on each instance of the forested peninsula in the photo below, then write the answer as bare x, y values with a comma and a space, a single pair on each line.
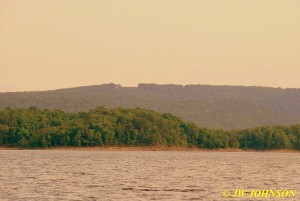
102, 127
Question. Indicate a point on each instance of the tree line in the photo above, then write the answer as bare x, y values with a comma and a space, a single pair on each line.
36, 128
216, 107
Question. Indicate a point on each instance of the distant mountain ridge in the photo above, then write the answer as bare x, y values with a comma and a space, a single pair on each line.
224, 107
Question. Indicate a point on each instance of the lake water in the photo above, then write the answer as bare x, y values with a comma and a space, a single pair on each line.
144, 175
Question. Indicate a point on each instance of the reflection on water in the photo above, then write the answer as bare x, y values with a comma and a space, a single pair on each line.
142, 175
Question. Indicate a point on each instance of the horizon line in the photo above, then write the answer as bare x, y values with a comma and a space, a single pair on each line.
146, 83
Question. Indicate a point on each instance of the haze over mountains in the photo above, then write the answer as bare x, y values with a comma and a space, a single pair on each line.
224, 107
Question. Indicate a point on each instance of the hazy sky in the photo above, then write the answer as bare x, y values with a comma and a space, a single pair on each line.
49, 44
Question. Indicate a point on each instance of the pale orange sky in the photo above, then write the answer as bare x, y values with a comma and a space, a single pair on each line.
50, 44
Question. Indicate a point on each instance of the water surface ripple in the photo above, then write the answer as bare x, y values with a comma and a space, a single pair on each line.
142, 175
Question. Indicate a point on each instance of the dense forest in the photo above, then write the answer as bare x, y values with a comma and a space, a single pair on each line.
33, 128
218, 107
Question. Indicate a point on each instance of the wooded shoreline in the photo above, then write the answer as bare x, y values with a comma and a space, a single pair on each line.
34, 128
153, 148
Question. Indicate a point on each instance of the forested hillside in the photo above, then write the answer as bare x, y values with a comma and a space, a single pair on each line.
224, 107
33, 128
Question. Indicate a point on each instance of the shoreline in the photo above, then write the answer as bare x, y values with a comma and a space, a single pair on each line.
153, 148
